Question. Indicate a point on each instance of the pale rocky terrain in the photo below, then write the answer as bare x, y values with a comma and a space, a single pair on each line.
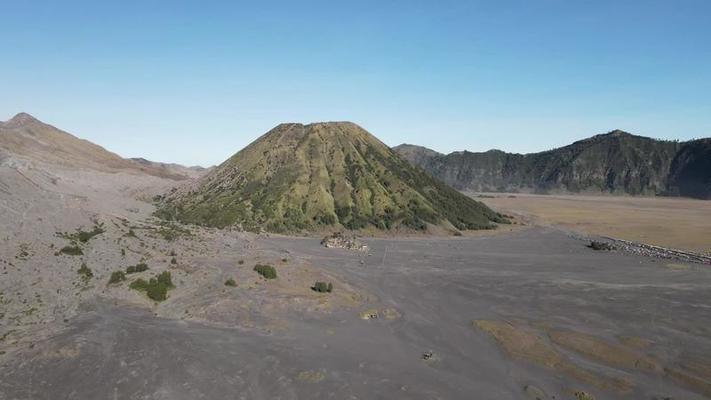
521, 313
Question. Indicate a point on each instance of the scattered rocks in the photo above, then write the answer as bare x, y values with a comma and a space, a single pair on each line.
649, 250
369, 314
595, 245
339, 240
428, 356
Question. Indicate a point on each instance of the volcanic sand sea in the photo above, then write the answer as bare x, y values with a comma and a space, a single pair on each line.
503, 317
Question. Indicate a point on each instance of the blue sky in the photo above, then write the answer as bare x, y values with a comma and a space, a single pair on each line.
193, 82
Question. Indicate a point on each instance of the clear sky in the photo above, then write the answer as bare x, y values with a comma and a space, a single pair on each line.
193, 82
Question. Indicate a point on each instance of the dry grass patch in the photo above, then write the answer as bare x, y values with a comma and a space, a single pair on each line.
525, 344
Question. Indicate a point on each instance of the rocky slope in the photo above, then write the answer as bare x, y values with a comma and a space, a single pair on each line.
26, 139
616, 162
298, 177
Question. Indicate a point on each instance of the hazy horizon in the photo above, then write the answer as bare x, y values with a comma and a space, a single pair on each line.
193, 84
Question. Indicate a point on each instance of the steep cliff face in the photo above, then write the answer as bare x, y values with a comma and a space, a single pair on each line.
690, 173
616, 162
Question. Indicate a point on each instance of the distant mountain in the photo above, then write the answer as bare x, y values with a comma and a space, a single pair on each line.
302, 177
616, 162
24, 137
172, 168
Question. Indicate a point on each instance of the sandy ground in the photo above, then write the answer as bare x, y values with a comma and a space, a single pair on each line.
503, 317
669, 222
517, 314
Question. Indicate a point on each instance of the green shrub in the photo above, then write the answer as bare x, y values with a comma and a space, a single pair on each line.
139, 284
322, 287
230, 282
157, 290
116, 277
240, 262
165, 278
267, 271
85, 271
71, 251
84, 236
173, 261
140, 267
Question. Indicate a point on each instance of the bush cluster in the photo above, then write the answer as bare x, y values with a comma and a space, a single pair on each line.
117, 276
85, 271
322, 287
230, 282
84, 236
140, 267
71, 250
156, 288
267, 271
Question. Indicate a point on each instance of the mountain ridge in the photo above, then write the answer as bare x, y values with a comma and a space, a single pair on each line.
616, 162
26, 137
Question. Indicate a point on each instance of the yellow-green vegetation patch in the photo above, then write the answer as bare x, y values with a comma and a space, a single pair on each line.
524, 343
311, 376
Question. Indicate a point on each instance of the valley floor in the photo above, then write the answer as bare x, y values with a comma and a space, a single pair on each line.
530, 314
662, 221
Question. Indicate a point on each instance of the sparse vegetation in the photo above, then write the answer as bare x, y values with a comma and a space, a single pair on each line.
322, 287
116, 277
173, 261
84, 236
140, 267
230, 282
72, 250
156, 288
267, 271
85, 272
139, 284
166, 278
171, 231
